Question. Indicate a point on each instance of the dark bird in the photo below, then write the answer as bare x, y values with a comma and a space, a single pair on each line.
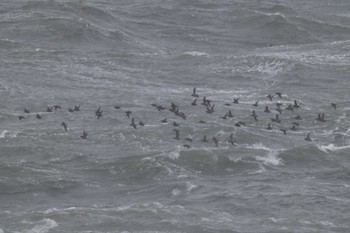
77, 108
57, 107
307, 138
295, 123
64, 126
21, 117
99, 114
294, 127
84, 136
204, 139
117, 107
187, 146
256, 104
296, 105
279, 105
230, 139
227, 104
298, 117
229, 114
235, 100
290, 107
128, 113
38, 116
49, 109
215, 140
194, 94
154, 105
320, 117
98, 110
267, 109
334, 106
177, 134
160, 108
270, 97
26, 110
279, 94
284, 131
202, 122
175, 124
224, 117
237, 124
164, 120
133, 123
269, 127
276, 119
210, 109
141, 123
189, 139
241, 123
194, 102
70, 110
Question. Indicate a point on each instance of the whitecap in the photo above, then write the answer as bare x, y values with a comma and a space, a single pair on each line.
45, 225
332, 147
271, 158
196, 53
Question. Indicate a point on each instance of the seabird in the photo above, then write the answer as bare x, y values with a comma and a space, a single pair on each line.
57, 107
235, 100
202, 122
298, 117
224, 117
320, 117
85, 134
279, 105
215, 141
290, 107
227, 104
267, 109
194, 93
295, 123
256, 104
189, 139
128, 113
99, 114
279, 94
276, 119
294, 127
21, 117
238, 124
307, 138
269, 127
296, 105
133, 123
77, 108
177, 134
187, 146
98, 110
175, 124
210, 110
255, 116
38, 116
26, 110
49, 109
194, 103
270, 97
70, 110
229, 114
141, 123
230, 140
160, 108
334, 106
284, 131
117, 107
164, 120
204, 139
64, 126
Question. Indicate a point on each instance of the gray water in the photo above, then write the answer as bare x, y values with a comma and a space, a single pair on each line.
132, 54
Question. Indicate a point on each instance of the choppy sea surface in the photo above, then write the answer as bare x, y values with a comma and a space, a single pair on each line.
105, 58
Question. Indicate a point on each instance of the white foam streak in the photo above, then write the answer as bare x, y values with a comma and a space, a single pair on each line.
45, 226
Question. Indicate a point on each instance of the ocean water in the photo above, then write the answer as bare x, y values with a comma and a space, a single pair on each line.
126, 55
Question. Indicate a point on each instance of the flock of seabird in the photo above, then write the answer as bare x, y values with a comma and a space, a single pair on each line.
209, 108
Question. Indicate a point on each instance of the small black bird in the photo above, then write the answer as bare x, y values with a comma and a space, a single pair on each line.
99, 114
49, 109
279, 94
164, 120
334, 106
269, 127
204, 139
290, 107
230, 140
21, 117
64, 126
267, 109
175, 124
229, 114
210, 109
177, 134
117, 107
298, 117
133, 123
160, 108
276, 119
307, 138
202, 122
189, 139
194, 94
215, 140
320, 117
128, 113
70, 110
141, 123
256, 104
194, 103
235, 100
77, 108
84, 136
270, 97
38, 116
284, 131
187, 146
26, 110
296, 105
227, 104
57, 107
